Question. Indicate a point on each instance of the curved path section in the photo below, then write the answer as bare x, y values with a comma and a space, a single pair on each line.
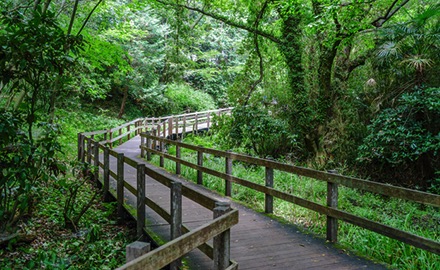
257, 241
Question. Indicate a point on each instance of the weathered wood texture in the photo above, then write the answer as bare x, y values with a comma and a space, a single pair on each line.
278, 244
137, 186
330, 210
165, 126
257, 241
184, 244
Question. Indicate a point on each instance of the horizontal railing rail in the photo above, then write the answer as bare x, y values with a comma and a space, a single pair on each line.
333, 181
184, 244
163, 126
183, 123
90, 149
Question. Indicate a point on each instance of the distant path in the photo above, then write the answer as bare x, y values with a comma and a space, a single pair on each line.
257, 241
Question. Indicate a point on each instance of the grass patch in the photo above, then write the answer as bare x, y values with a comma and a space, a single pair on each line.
407, 216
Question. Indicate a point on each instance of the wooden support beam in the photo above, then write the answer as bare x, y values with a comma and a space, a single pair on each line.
269, 198
200, 163
221, 242
120, 186
96, 162
140, 200
176, 217
228, 171
106, 186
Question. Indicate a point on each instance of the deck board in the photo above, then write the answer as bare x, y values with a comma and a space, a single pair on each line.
257, 241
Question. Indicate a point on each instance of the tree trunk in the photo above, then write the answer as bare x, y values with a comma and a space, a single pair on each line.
124, 100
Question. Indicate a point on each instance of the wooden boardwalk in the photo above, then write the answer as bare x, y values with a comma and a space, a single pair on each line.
257, 241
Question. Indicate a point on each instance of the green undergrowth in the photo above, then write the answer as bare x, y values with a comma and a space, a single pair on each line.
99, 242
44, 242
72, 122
411, 217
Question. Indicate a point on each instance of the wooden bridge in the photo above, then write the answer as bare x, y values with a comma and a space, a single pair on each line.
184, 220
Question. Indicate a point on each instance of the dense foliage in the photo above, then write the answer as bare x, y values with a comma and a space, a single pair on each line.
325, 83
405, 139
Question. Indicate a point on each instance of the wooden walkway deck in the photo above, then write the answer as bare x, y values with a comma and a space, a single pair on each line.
257, 242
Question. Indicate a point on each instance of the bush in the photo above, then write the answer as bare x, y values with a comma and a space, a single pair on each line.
25, 164
183, 98
403, 143
256, 131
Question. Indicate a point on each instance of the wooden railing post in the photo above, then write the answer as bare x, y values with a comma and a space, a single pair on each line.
142, 129
164, 124
154, 141
162, 150
209, 120
159, 127
81, 146
140, 200
228, 171
176, 217
120, 133
120, 185
196, 125
200, 163
184, 127
142, 146
148, 146
89, 150
221, 242
106, 186
96, 162
176, 127
79, 136
170, 128
268, 198
332, 201
111, 138
178, 156
128, 130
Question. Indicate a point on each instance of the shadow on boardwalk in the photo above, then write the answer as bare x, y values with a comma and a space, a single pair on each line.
257, 241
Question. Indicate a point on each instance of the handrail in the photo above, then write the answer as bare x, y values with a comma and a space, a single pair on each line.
166, 124
89, 150
351, 182
333, 181
183, 244
183, 123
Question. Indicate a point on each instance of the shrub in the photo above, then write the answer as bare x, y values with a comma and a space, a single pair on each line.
403, 143
25, 164
183, 98
256, 131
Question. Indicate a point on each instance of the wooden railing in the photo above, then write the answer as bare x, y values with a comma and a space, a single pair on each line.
184, 240
179, 125
161, 126
333, 181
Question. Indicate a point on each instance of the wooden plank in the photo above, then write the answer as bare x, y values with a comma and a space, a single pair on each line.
140, 200
403, 236
120, 185
332, 223
375, 187
106, 186
178, 247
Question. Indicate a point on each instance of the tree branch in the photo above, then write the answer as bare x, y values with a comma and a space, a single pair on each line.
389, 13
88, 17
72, 17
257, 48
225, 20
